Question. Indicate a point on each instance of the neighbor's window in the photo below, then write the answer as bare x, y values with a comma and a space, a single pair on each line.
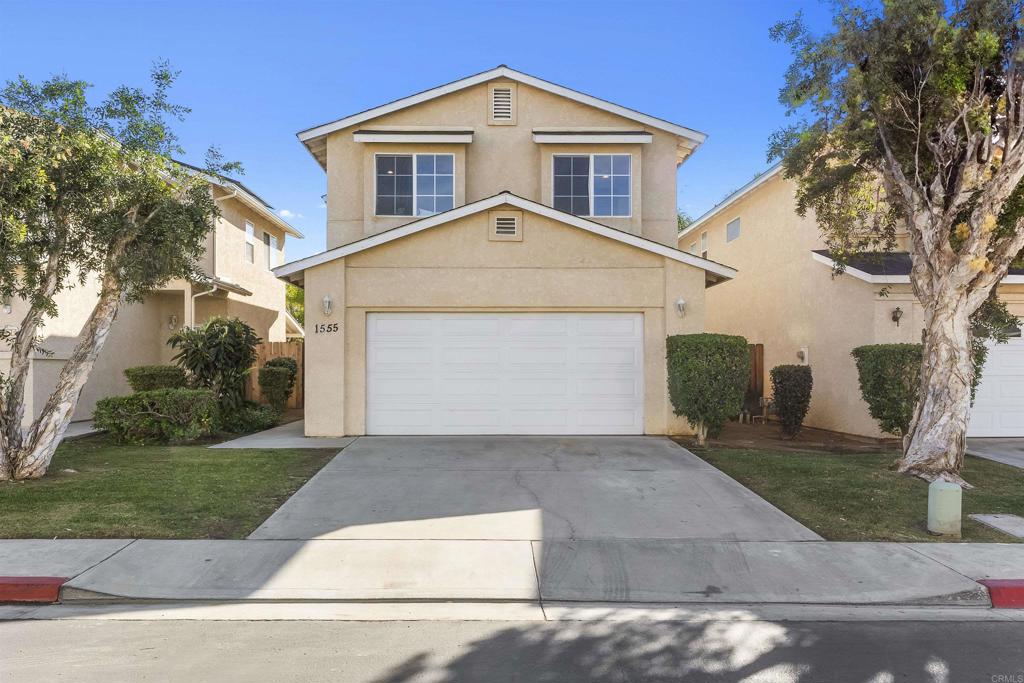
693, 248
732, 230
250, 242
401, 192
593, 184
272, 254
704, 244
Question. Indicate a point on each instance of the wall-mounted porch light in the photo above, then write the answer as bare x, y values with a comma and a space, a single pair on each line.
172, 322
681, 307
897, 313
7, 306
328, 304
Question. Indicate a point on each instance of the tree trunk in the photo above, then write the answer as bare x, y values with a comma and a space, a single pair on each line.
934, 447
701, 432
31, 460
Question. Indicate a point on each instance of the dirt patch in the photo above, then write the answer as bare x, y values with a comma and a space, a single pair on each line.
769, 437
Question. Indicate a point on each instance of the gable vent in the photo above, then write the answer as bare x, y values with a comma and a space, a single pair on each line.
506, 226
501, 104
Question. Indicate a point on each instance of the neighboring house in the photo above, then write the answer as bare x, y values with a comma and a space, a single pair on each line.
786, 298
246, 242
501, 259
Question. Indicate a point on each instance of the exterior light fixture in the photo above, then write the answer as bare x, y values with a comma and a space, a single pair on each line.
328, 304
7, 306
172, 322
681, 307
897, 313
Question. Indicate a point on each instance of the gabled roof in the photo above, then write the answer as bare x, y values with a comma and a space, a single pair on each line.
692, 138
244, 195
889, 267
504, 198
735, 196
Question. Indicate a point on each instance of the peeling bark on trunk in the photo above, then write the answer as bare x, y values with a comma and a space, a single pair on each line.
934, 447
31, 460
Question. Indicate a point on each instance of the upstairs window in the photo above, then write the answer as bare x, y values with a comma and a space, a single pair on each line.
598, 185
250, 243
732, 230
704, 245
403, 192
272, 253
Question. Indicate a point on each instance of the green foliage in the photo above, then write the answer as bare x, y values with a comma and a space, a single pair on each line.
295, 302
791, 394
218, 355
158, 416
890, 382
150, 377
683, 220
708, 376
250, 417
290, 364
276, 383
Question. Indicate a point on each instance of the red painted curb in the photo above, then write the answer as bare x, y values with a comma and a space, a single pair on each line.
1005, 593
30, 588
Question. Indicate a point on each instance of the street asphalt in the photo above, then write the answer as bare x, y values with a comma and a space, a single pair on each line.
512, 651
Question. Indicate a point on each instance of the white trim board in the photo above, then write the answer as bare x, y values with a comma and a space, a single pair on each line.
694, 136
584, 138
893, 279
717, 208
412, 137
504, 198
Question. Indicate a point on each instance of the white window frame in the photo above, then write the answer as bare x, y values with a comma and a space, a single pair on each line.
704, 244
270, 242
249, 253
693, 249
590, 181
414, 188
739, 229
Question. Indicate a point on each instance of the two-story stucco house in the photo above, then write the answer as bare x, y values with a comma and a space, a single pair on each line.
501, 259
245, 244
786, 298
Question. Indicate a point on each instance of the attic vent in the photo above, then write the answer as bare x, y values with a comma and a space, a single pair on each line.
506, 226
503, 104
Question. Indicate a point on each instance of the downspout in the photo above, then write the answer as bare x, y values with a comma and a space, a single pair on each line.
213, 260
192, 303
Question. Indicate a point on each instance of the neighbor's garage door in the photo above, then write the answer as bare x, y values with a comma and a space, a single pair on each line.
505, 373
999, 405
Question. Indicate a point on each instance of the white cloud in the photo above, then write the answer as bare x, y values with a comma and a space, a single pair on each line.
285, 213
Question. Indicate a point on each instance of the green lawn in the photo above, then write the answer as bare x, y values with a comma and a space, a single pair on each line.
154, 491
859, 496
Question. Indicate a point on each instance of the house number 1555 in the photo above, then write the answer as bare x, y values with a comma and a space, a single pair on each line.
325, 328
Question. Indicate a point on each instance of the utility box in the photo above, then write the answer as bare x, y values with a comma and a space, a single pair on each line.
945, 506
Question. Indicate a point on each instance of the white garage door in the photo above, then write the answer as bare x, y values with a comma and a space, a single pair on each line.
504, 373
999, 404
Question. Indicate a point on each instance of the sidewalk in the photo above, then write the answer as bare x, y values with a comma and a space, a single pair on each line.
573, 571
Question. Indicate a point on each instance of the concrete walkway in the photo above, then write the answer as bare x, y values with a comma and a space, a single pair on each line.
289, 435
1007, 451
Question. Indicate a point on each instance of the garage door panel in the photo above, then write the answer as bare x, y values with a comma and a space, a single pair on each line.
509, 373
998, 409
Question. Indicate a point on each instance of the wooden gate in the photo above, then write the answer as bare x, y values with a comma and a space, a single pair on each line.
266, 351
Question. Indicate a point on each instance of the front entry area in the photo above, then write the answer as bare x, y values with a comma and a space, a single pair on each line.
504, 373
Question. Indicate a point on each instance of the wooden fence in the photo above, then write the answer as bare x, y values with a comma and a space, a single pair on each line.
268, 350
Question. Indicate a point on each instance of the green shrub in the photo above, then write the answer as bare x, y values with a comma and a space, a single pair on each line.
288, 363
791, 394
276, 384
218, 355
708, 376
890, 381
250, 417
158, 416
150, 377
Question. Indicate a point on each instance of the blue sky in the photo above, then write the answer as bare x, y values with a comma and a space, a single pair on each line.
255, 73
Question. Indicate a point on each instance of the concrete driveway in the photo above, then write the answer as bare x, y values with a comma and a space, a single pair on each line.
525, 488
1009, 451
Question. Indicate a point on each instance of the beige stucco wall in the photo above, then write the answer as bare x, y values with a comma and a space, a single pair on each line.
455, 267
786, 300
501, 157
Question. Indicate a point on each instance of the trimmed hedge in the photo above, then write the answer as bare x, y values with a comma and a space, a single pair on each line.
251, 417
158, 416
290, 364
890, 379
791, 394
708, 375
276, 383
150, 377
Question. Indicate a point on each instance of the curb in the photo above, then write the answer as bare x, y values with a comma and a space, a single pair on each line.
30, 588
1005, 593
